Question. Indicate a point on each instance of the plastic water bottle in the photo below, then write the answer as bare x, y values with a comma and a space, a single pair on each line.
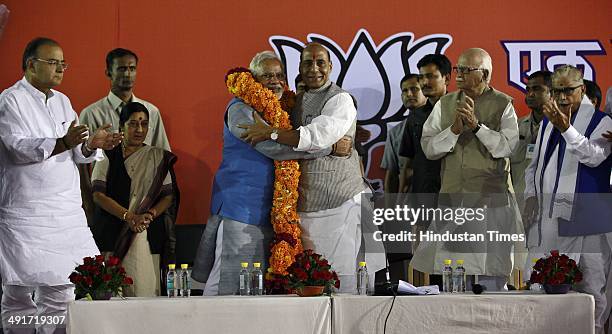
447, 276
459, 278
257, 278
185, 280
537, 287
171, 281
245, 279
362, 279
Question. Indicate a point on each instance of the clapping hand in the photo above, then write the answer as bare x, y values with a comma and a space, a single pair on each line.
557, 117
104, 139
465, 109
77, 134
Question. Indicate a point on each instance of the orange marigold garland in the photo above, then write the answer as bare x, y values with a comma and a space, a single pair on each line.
285, 220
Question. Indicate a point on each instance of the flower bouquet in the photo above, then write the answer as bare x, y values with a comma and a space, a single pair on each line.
98, 278
557, 272
311, 274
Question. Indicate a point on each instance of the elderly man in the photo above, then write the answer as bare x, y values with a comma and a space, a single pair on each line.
121, 68
394, 164
330, 188
43, 231
239, 228
571, 165
538, 93
473, 131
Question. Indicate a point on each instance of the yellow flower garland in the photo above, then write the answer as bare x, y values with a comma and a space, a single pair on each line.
284, 217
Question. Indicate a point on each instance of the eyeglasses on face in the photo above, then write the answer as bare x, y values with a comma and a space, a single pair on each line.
53, 62
466, 69
270, 76
566, 91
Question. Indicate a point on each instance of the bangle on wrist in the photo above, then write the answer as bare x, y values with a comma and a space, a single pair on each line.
125, 215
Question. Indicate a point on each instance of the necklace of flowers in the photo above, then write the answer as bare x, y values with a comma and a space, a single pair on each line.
287, 234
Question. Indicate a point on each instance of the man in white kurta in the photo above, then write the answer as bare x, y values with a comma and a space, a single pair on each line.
43, 231
570, 149
330, 188
474, 132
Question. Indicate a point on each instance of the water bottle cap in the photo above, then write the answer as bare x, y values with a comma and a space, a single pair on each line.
244, 264
459, 262
171, 266
256, 264
362, 264
448, 261
184, 266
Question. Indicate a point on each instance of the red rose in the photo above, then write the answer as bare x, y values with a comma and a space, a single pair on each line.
121, 270
75, 278
107, 277
307, 265
112, 261
323, 263
578, 277
301, 274
560, 277
88, 280
554, 253
99, 259
88, 260
317, 275
128, 281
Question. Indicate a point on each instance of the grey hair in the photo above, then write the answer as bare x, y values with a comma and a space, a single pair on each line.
256, 63
569, 71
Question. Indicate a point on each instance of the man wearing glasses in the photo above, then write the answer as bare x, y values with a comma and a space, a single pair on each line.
566, 182
473, 132
239, 228
43, 230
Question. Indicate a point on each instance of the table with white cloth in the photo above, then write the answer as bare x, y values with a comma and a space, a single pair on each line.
511, 312
215, 315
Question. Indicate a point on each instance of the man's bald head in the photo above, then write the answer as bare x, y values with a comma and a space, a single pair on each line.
315, 45
481, 59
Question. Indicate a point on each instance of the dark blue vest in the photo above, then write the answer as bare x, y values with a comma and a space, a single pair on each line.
243, 185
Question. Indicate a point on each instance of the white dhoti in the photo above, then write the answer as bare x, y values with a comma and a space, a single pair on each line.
337, 235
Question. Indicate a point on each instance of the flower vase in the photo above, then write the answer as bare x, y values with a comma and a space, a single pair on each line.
310, 291
557, 289
102, 295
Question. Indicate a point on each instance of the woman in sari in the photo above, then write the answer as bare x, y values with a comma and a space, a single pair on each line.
133, 190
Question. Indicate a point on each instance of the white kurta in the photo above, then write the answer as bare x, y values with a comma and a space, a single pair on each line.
337, 232
579, 149
43, 230
497, 258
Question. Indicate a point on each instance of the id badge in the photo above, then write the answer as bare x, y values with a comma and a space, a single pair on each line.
529, 151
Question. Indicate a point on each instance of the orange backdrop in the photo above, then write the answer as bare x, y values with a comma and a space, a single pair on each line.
185, 48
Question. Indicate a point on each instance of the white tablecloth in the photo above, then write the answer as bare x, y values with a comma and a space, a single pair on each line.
215, 315
465, 313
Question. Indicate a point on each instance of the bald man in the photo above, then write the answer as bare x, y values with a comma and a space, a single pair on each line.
473, 132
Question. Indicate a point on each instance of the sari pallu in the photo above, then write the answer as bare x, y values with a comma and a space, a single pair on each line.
137, 183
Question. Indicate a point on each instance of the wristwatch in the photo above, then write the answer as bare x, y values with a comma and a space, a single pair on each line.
274, 134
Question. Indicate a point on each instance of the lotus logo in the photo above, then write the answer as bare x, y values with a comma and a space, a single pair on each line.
371, 74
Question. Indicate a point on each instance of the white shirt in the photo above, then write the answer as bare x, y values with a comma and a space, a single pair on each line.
107, 111
43, 231
436, 142
325, 130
